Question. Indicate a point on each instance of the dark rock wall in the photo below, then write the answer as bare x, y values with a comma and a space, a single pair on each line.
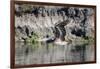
54, 21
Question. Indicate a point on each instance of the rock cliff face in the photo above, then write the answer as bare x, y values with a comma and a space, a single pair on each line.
53, 21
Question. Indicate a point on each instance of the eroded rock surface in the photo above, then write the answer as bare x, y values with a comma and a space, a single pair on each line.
58, 22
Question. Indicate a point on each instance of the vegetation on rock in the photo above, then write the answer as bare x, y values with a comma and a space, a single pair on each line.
66, 23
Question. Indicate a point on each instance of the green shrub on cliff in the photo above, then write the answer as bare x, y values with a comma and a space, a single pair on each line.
33, 38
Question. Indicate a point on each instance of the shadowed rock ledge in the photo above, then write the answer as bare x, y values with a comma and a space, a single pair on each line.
65, 23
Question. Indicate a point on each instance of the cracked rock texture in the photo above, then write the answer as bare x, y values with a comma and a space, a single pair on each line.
53, 21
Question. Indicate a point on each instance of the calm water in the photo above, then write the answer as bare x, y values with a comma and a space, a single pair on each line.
43, 53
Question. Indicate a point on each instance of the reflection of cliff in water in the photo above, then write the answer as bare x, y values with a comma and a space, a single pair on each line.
44, 53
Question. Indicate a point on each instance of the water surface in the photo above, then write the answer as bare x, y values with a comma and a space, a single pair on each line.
48, 53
